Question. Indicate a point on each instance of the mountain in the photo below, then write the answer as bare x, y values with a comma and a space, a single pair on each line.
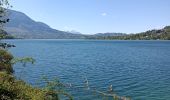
110, 34
155, 34
22, 26
104, 35
73, 32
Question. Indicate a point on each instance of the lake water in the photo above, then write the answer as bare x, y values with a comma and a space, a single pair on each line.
139, 69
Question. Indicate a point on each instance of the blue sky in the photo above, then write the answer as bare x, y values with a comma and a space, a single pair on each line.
94, 16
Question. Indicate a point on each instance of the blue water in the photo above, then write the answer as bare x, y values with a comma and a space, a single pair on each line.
139, 69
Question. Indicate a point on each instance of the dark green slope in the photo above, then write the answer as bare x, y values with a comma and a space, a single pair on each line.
156, 34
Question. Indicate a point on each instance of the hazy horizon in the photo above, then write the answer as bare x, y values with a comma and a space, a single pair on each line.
90, 17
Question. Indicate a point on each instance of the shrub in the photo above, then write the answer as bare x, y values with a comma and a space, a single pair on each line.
11, 89
5, 61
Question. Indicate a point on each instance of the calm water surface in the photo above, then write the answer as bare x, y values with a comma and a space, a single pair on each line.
140, 69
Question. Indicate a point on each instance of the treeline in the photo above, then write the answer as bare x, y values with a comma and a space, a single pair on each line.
161, 34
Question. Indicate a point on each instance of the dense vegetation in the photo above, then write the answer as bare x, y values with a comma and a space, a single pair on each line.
161, 34
11, 89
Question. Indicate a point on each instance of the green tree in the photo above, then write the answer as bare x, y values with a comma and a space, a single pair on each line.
4, 5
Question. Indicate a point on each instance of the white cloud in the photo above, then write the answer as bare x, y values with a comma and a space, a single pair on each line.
104, 14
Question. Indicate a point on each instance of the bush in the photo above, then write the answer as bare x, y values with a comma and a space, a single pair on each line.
11, 89
5, 61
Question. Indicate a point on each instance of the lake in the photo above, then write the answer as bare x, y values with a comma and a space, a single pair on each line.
139, 69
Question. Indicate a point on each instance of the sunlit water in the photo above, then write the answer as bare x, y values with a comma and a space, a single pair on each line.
139, 69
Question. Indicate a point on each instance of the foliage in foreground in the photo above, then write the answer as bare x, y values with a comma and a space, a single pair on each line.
11, 89
5, 59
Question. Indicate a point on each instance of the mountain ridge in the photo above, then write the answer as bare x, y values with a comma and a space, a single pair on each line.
154, 34
22, 26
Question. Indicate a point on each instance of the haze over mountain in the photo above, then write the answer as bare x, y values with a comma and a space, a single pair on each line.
22, 26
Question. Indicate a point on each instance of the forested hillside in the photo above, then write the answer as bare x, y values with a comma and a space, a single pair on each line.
156, 34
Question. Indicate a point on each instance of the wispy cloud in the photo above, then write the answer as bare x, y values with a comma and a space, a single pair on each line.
104, 14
